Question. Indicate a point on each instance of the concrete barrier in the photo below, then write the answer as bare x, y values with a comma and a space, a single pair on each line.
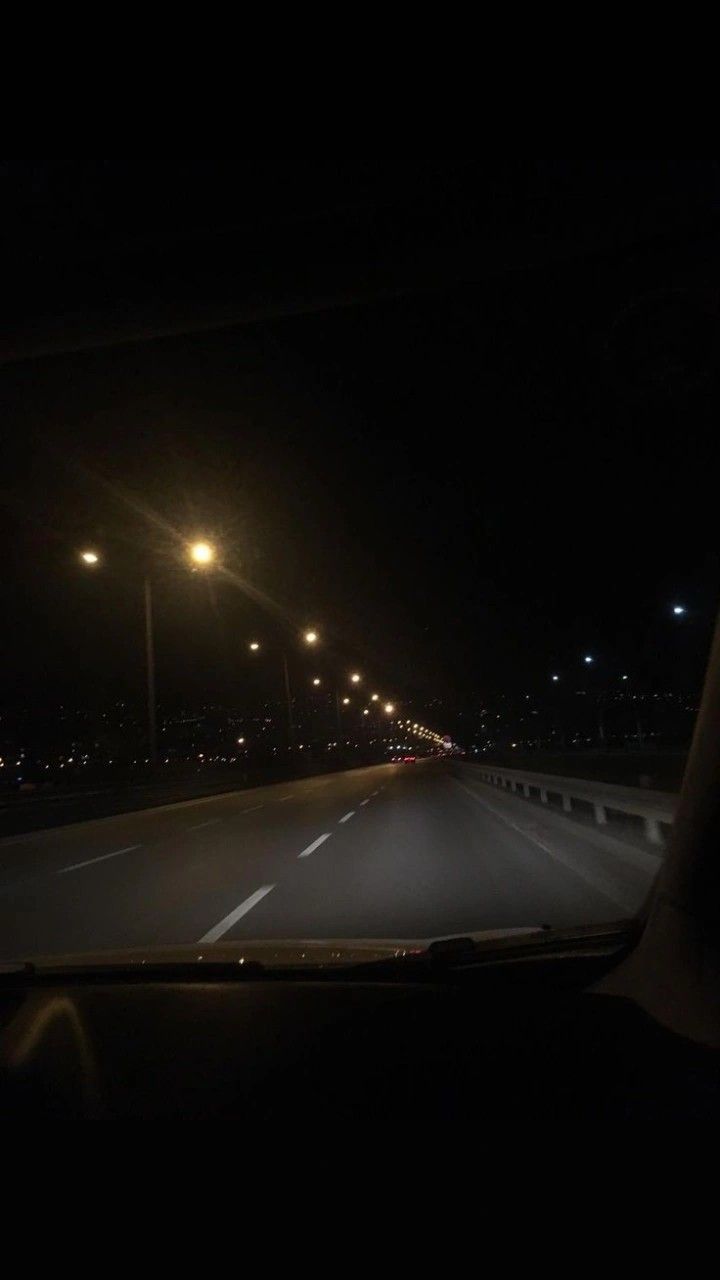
654, 807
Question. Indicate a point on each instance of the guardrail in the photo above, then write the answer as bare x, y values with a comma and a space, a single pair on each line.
654, 807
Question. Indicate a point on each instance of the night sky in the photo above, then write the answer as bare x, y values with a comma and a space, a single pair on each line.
465, 486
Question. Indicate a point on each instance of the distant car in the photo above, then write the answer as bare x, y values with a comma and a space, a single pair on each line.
408, 759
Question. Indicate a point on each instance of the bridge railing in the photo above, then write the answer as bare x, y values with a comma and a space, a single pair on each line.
656, 808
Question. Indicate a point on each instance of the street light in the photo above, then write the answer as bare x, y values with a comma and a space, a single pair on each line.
346, 702
202, 553
316, 680
389, 707
678, 610
555, 678
374, 697
355, 678
311, 637
366, 711
588, 658
240, 741
254, 646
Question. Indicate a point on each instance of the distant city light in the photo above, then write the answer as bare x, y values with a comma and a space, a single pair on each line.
389, 707
355, 678
588, 658
678, 609
366, 712
90, 557
346, 702
240, 741
311, 637
375, 697
625, 677
316, 680
556, 677
254, 646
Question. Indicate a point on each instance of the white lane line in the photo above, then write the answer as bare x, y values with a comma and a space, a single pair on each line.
211, 822
103, 857
315, 845
362, 802
598, 882
227, 922
252, 809
348, 816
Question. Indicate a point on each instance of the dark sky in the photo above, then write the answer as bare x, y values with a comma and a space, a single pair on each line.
466, 486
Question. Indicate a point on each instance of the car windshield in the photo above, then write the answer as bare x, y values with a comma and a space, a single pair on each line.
359, 549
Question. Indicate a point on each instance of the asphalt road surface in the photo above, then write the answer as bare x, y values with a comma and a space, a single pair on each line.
390, 851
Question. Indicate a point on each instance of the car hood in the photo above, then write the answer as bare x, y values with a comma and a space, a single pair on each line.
281, 953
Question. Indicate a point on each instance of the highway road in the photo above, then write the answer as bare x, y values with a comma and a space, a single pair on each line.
408, 850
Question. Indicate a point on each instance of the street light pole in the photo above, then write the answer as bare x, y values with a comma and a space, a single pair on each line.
288, 698
150, 661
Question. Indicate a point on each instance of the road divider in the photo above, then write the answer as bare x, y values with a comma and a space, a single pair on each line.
348, 816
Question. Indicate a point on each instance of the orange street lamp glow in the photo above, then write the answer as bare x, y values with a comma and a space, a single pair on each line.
311, 637
89, 557
202, 553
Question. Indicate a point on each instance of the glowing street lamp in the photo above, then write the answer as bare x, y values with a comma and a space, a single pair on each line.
254, 646
311, 637
355, 678
555, 679
588, 658
316, 680
346, 702
202, 553
678, 610
240, 741
389, 708
366, 711
374, 697
89, 557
